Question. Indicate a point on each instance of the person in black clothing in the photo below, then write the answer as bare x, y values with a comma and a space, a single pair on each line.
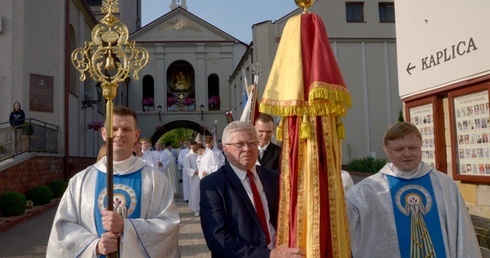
17, 116
269, 153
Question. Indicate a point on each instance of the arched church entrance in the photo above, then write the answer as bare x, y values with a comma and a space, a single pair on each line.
160, 130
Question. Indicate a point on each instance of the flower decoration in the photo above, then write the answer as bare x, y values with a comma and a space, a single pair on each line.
213, 101
189, 101
95, 125
148, 101
171, 100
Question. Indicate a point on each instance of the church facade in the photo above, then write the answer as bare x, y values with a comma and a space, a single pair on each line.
186, 79
195, 74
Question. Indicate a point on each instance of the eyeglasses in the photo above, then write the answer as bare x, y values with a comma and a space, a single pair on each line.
241, 145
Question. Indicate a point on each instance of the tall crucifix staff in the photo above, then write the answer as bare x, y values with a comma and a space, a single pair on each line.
109, 59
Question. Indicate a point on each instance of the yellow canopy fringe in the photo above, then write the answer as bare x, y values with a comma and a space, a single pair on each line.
280, 130
322, 101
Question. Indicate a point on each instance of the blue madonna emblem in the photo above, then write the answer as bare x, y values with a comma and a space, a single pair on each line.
124, 200
126, 196
413, 200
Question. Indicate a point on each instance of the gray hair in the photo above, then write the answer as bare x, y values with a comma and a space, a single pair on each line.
237, 126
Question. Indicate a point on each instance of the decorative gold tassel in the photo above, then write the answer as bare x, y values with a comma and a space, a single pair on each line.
305, 129
279, 131
340, 129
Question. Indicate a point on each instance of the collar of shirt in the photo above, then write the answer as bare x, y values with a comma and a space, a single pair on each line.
242, 174
265, 146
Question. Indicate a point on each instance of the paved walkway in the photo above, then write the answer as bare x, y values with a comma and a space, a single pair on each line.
30, 238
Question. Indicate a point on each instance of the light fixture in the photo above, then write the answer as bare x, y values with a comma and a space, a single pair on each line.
202, 111
87, 102
160, 112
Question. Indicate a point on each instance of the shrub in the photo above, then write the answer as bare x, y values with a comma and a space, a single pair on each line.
400, 116
366, 165
40, 195
28, 128
58, 188
12, 204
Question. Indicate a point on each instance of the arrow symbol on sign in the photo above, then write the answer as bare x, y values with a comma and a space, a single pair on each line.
410, 68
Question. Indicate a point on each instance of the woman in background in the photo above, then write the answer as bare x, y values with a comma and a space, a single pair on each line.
17, 116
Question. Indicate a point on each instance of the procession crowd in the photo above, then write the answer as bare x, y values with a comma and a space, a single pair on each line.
408, 209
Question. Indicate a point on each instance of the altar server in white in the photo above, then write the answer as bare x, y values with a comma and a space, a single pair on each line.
409, 209
211, 160
192, 171
185, 177
171, 169
163, 158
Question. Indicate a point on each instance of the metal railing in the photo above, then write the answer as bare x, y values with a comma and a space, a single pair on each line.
33, 135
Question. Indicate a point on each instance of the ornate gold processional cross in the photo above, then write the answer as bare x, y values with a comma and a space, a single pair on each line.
109, 59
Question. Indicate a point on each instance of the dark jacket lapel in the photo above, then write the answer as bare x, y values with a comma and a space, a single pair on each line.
237, 185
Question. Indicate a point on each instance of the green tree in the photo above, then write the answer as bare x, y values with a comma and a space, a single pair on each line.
176, 136
400, 116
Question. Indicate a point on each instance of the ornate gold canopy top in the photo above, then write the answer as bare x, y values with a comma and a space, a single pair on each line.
305, 4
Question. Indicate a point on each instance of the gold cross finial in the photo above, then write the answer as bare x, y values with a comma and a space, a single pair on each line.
110, 6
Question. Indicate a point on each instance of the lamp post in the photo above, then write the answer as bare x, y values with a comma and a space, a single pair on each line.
109, 59
202, 112
160, 112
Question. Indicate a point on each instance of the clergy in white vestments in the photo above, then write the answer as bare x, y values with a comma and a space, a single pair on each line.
347, 181
162, 157
144, 221
185, 178
191, 170
146, 154
201, 149
409, 209
218, 154
171, 169
211, 160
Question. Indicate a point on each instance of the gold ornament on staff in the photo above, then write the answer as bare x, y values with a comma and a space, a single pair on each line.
305, 4
109, 59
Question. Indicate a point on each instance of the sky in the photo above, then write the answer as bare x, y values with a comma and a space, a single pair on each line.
234, 17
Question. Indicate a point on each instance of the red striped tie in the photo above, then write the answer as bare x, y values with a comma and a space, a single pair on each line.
258, 206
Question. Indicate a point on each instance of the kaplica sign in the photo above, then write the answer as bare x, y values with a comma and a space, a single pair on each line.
441, 42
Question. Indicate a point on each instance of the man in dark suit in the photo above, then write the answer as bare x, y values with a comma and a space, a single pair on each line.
269, 153
239, 202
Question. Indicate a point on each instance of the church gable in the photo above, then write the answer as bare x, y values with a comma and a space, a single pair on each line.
180, 25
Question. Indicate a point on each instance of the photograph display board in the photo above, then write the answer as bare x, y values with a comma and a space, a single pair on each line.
471, 118
422, 117
423, 114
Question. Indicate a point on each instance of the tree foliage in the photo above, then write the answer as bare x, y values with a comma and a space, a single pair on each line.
176, 136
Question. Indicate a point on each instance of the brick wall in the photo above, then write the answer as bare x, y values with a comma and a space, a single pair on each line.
39, 170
